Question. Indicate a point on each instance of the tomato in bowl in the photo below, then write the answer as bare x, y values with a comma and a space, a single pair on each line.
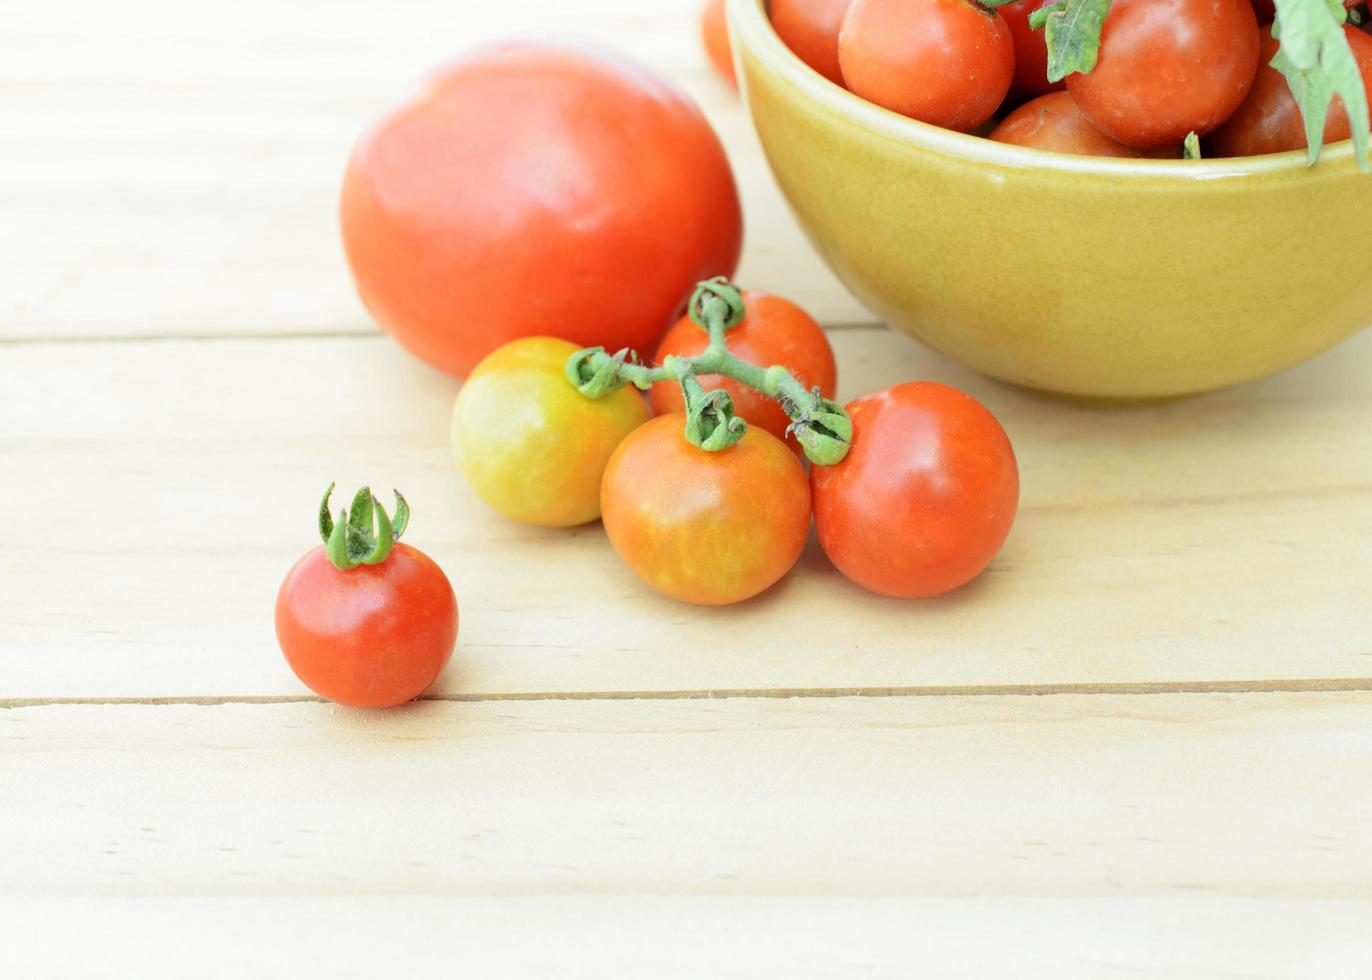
1089, 276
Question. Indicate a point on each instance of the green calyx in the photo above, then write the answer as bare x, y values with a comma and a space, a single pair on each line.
596, 374
710, 420
825, 432
364, 533
716, 303
821, 426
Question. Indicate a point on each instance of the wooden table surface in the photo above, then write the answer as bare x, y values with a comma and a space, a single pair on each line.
1140, 745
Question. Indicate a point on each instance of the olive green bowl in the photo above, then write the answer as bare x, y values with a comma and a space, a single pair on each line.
1122, 279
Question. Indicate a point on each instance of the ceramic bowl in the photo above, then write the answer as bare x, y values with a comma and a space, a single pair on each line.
1120, 279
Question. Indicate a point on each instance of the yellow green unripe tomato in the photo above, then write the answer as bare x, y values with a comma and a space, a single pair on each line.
531, 445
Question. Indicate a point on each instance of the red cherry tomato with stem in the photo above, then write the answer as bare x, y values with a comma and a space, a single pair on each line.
1168, 68
926, 495
773, 331
710, 528
945, 62
373, 634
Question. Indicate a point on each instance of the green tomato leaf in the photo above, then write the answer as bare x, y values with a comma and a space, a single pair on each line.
1190, 147
1318, 64
1071, 29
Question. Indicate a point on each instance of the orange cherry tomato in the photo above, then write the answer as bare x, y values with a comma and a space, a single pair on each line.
810, 29
714, 35
702, 527
1168, 68
373, 636
1269, 121
773, 331
926, 495
1053, 122
537, 189
1031, 50
945, 62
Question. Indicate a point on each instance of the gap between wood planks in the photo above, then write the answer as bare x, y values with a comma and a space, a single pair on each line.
339, 333
1285, 686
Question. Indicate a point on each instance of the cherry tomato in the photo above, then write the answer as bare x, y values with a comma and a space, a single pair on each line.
537, 189
810, 29
926, 495
1053, 122
1269, 121
1266, 10
945, 62
774, 331
531, 445
373, 636
701, 527
1168, 68
1031, 50
714, 34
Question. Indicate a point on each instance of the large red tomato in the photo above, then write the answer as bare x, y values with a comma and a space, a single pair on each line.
1269, 121
1168, 68
926, 495
810, 29
773, 331
945, 62
537, 189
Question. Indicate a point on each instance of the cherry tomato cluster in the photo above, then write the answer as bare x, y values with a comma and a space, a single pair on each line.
594, 199
1121, 78
919, 498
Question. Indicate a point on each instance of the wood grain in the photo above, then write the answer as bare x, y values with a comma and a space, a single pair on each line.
1256, 795
171, 169
615, 785
167, 487
590, 937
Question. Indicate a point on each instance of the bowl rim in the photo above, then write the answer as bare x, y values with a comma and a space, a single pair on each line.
748, 21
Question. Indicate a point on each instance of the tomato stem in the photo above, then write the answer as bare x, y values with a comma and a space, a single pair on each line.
820, 425
364, 534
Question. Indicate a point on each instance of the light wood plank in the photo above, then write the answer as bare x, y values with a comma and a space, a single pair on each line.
172, 169
161, 490
1249, 795
759, 938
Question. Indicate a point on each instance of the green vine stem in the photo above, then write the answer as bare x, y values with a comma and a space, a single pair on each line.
820, 425
364, 533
